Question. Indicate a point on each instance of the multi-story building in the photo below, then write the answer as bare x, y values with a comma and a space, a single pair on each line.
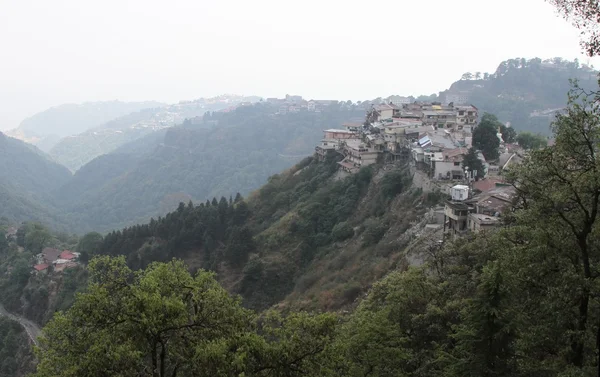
466, 117
357, 154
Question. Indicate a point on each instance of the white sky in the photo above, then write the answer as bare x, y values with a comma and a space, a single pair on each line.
65, 51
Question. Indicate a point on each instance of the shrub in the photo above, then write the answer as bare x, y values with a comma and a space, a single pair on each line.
374, 231
342, 231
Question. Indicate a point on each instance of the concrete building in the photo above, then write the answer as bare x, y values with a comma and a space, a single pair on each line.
477, 222
333, 133
385, 111
467, 117
357, 154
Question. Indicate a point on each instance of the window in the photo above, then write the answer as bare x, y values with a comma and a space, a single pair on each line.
461, 113
457, 164
470, 113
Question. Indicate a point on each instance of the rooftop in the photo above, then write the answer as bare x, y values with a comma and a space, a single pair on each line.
484, 219
339, 131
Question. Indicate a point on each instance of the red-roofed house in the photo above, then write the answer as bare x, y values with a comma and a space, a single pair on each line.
40, 267
67, 255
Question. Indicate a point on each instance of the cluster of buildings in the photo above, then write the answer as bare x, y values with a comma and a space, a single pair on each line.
435, 136
435, 139
295, 104
59, 260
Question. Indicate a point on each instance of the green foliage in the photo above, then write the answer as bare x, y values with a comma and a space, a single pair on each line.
521, 87
485, 136
373, 232
509, 135
16, 358
90, 245
166, 321
392, 184
527, 140
472, 161
342, 231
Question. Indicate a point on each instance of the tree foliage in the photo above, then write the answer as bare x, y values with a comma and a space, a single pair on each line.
584, 15
527, 140
485, 136
162, 321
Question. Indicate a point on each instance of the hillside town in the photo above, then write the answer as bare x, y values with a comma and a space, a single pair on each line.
434, 139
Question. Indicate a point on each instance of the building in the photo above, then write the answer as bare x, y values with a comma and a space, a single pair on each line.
356, 155
385, 111
477, 222
467, 117
327, 147
333, 133
352, 126
444, 119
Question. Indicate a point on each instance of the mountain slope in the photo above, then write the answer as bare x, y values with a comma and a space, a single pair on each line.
193, 162
27, 179
27, 168
47, 127
77, 150
310, 238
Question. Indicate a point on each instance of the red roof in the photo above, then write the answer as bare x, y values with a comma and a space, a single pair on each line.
67, 255
487, 184
40, 267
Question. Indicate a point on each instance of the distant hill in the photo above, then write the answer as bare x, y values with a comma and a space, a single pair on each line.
45, 129
526, 93
75, 151
27, 180
192, 162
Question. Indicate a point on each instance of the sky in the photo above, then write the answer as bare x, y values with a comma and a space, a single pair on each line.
73, 51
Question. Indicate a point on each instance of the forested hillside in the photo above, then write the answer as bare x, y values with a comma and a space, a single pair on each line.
77, 150
192, 162
526, 93
27, 180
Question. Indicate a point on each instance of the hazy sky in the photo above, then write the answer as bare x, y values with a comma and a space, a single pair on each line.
60, 51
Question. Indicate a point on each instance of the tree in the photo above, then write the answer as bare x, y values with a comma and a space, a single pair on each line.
162, 321
473, 163
90, 245
467, 76
37, 238
527, 140
509, 135
477, 75
3, 243
584, 15
485, 136
555, 236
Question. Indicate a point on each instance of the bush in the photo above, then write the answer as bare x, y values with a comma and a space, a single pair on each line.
392, 184
342, 231
374, 231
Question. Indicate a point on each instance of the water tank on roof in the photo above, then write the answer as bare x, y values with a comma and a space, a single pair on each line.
460, 192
